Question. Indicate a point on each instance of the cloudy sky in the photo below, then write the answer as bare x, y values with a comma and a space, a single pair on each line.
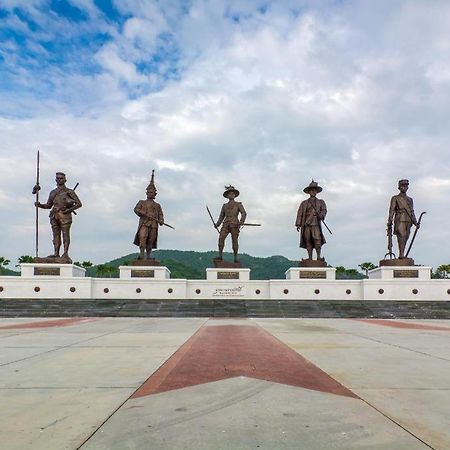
264, 95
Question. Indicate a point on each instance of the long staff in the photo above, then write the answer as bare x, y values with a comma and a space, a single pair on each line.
36, 190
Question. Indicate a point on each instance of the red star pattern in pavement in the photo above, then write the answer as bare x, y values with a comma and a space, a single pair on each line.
218, 352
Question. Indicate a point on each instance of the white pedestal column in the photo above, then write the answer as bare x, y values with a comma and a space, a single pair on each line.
400, 272
51, 270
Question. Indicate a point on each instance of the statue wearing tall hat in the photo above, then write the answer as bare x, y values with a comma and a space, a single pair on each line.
150, 218
310, 216
232, 218
400, 220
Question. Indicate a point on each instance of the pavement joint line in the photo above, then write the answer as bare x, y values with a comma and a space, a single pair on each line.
399, 346
393, 388
68, 388
397, 423
128, 398
60, 348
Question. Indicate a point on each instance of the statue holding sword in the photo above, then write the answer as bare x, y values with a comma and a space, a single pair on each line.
232, 218
310, 217
150, 218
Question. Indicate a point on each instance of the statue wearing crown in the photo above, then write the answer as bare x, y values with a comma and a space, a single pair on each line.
150, 218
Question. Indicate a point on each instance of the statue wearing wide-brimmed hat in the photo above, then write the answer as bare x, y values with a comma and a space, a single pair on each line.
232, 217
310, 216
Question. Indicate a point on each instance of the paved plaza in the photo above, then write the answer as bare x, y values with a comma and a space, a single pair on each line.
183, 383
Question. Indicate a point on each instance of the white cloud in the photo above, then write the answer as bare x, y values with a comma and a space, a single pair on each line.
349, 95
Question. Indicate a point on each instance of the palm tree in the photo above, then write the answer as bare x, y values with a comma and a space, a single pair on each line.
24, 259
443, 270
84, 264
3, 263
366, 266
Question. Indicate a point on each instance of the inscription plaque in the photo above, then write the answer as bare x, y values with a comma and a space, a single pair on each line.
52, 271
406, 274
237, 291
228, 275
312, 274
142, 274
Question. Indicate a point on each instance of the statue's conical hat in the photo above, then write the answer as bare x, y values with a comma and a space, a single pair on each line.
151, 186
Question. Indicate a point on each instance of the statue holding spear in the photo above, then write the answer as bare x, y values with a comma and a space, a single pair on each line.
62, 202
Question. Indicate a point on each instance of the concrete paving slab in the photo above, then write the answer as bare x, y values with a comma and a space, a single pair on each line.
242, 413
403, 375
426, 412
44, 419
71, 378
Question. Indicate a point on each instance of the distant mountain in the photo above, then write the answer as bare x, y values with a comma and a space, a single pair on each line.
8, 272
192, 265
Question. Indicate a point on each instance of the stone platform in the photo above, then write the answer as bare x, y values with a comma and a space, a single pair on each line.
153, 282
200, 384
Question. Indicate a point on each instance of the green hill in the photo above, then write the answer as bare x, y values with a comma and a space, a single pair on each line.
192, 265
8, 272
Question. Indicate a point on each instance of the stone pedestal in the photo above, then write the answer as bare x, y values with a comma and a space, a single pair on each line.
397, 262
311, 273
145, 262
313, 263
396, 272
224, 264
224, 274
147, 272
51, 270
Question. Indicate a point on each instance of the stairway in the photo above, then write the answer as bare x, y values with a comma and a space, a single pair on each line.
226, 308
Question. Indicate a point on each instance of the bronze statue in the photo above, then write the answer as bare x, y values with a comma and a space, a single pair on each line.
230, 221
63, 202
402, 216
310, 216
150, 218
